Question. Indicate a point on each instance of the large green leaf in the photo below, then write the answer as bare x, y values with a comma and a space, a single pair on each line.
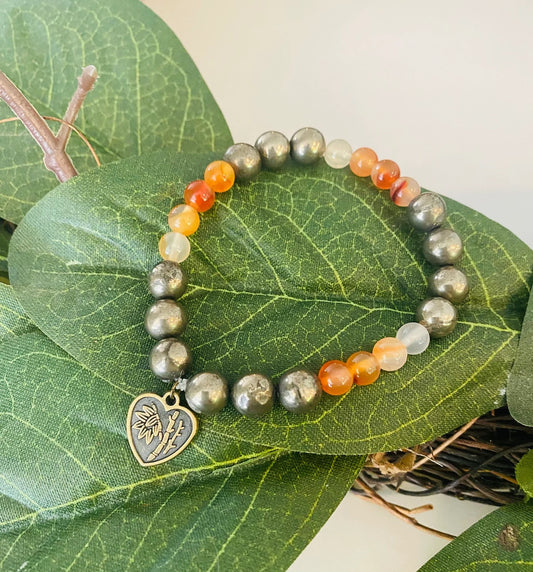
501, 541
149, 94
299, 267
5, 237
13, 319
73, 498
524, 473
520, 384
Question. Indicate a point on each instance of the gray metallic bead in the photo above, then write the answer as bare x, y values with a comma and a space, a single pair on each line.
426, 212
244, 159
274, 149
449, 282
438, 315
206, 393
307, 146
167, 280
253, 395
165, 318
299, 391
443, 246
170, 358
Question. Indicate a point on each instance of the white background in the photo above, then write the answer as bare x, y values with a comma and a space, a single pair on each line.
443, 88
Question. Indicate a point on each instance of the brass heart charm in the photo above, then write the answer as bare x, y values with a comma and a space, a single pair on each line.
158, 428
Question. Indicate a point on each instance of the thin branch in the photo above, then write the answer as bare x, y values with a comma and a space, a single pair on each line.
399, 507
398, 513
501, 476
85, 84
492, 483
416, 510
467, 475
70, 126
443, 446
55, 158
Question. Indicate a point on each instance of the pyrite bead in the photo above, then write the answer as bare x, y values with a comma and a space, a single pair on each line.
450, 283
165, 318
414, 337
253, 395
299, 391
170, 358
244, 159
274, 149
443, 246
438, 315
167, 280
307, 146
206, 393
426, 212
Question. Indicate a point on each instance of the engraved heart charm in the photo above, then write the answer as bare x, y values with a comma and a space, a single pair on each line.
158, 428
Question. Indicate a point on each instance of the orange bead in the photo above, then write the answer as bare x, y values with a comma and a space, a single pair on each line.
362, 161
390, 353
403, 191
364, 367
199, 196
335, 377
184, 219
384, 173
220, 176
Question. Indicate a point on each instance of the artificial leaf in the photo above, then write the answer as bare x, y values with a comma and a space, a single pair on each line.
149, 95
520, 384
13, 319
298, 267
72, 497
501, 541
5, 237
524, 473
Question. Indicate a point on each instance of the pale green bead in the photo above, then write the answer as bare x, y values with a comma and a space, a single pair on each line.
174, 246
338, 154
414, 337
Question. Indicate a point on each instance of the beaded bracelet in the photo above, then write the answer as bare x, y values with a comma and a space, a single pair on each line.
158, 427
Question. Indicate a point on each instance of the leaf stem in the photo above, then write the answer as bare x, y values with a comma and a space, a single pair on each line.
69, 126
85, 84
56, 158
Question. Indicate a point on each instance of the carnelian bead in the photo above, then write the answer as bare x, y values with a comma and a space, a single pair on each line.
335, 377
220, 176
390, 353
362, 161
199, 196
364, 367
403, 191
384, 173
184, 219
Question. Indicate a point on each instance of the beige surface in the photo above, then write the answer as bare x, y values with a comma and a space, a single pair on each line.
445, 88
